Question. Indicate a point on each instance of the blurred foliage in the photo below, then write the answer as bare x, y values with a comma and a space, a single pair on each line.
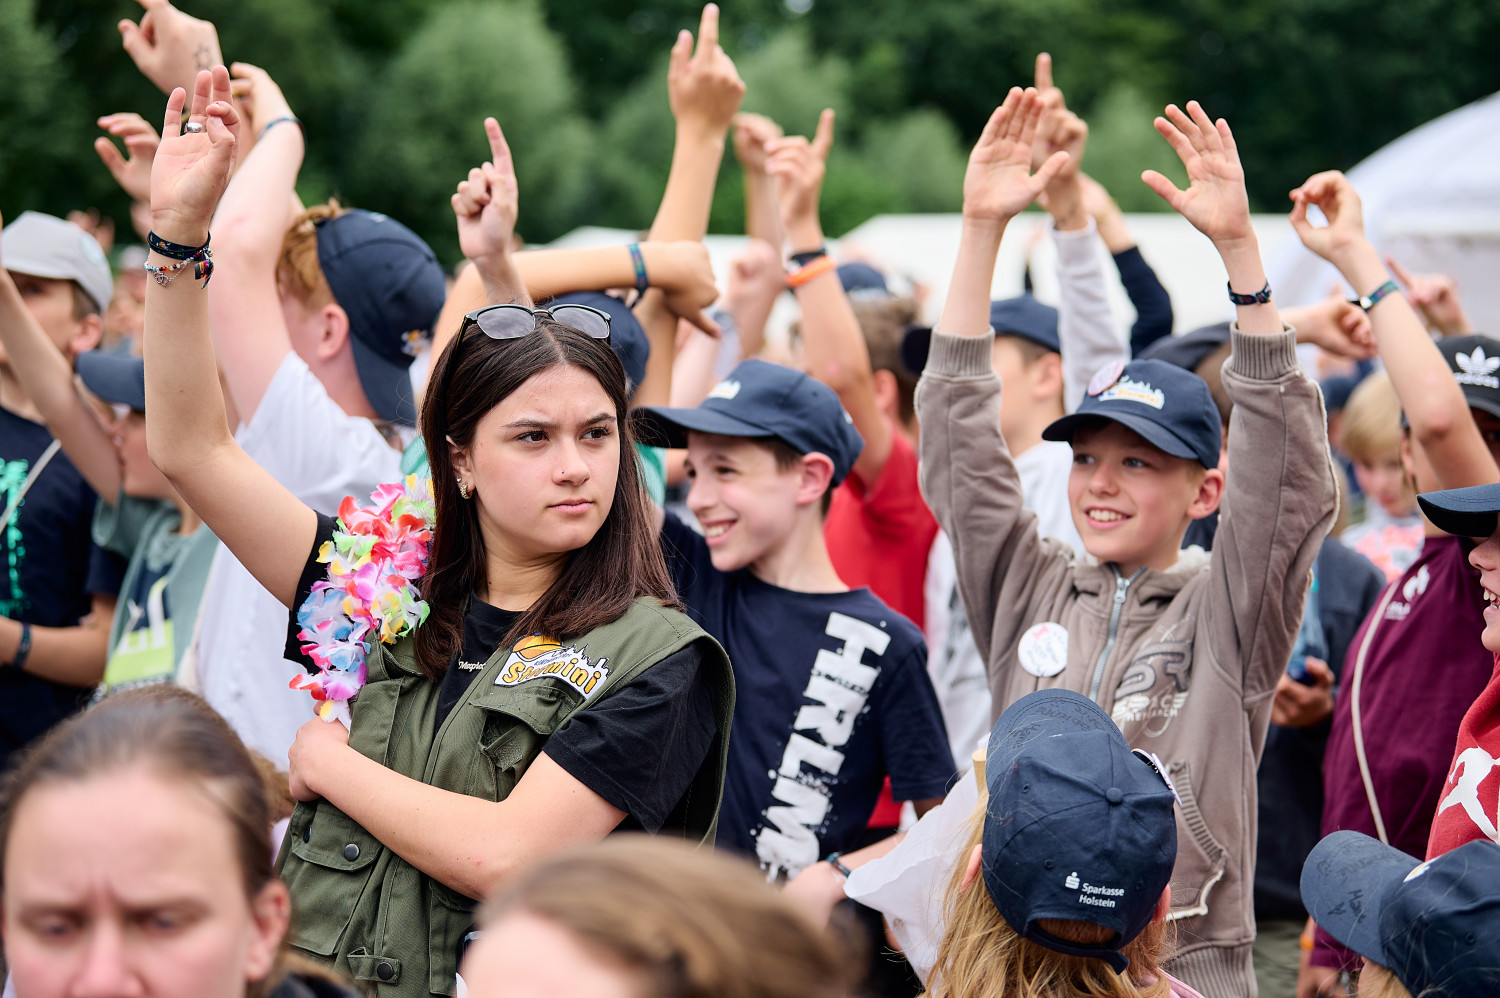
393, 92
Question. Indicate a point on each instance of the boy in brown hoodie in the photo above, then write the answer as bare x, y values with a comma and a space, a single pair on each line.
1182, 648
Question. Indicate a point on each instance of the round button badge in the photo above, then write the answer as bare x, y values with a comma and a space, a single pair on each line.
1106, 376
1043, 650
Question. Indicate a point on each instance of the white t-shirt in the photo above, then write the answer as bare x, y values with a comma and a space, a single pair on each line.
321, 454
953, 662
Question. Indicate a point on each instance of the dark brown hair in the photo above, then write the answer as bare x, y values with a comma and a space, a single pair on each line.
691, 923
788, 457
176, 735
600, 580
884, 322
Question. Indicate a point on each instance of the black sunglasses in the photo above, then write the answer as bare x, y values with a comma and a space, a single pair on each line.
510, 322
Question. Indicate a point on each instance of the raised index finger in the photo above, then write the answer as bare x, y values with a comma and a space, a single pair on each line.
708, 29
1043, 71
499, 148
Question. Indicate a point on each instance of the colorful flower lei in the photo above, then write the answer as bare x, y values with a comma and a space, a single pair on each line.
376, 555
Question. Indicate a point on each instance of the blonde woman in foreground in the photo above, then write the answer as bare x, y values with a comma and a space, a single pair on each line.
1074, 852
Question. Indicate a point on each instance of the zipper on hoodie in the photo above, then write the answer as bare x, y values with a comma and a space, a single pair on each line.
1122, 586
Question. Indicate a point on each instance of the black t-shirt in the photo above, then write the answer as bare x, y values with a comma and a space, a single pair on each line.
638, 748
49, 570
831, 695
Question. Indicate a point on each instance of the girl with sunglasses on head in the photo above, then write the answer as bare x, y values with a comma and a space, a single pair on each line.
524, 680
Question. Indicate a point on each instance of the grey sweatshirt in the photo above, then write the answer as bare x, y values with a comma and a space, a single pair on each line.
1185, 660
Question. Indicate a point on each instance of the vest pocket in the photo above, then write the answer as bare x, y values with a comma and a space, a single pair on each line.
1201, 860
328, 870
517, 722
449, 916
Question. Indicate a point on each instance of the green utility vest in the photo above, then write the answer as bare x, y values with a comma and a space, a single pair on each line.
379, 920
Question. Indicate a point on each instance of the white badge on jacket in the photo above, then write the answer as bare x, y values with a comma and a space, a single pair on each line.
1043, 649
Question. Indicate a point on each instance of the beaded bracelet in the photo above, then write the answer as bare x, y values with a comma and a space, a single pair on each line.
638, 261
203, 268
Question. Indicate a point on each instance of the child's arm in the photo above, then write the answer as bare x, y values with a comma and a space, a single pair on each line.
267, 528
967, 474
44, 371
1430, 396
1280, 498
833, 347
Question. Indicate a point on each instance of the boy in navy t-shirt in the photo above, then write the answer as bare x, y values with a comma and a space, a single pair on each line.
832, 692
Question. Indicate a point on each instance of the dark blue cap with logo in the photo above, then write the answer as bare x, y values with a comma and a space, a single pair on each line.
1169, 407
1435, 925
1023, 316
391, 286
758, 400
1077, 826
626, 336
117, 378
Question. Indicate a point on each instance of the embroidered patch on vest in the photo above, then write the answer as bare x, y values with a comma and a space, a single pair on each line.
536, 656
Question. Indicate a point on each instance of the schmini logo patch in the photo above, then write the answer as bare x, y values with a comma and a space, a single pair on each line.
724, 390
536, 657
1126, 390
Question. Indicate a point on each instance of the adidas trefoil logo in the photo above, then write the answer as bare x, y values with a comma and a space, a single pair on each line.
1477, 369
1072, 882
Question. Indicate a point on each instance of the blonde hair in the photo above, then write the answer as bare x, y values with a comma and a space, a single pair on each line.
981, 956
689, 922
298, 272
1376, 981
1372, 421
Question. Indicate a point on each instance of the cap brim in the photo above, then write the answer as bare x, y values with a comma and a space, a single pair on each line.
115, 378
659, 426
1483, 399
387, 384
1154, 433
1471, 512
1345, 881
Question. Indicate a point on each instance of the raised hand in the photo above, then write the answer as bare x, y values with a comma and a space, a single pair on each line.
1339, 202
692, 288
703, 86
1059, 129
1215, 201
262, 98
1335, 324
170, 47
1436, 297
487, 204
999, 182
751, 133
132, 174
193, 167
798, 167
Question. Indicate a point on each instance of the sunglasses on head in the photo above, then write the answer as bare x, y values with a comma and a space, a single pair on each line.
510, 322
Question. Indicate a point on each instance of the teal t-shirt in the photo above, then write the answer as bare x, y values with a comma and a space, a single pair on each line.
163, 588
653, 467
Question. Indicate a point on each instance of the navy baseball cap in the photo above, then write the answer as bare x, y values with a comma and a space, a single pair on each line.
1470, 512
391, 285
1475, 363
759, 399
1168, 406
626, 337
118, 379
1023, 316
1435, 925
1077, 826
862, 280
1190, 349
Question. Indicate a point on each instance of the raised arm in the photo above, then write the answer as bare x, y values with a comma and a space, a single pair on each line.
967, 474
1085, 325
267, 528
42, 368
751, 133
833, 348
1430, 397
1153, 306
169, 47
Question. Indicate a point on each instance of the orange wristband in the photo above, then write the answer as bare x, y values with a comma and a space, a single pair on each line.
810, 272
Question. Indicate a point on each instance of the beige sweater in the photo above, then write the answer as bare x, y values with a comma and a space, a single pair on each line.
1185, 660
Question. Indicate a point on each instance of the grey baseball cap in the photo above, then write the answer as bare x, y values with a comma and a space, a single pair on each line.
46, 246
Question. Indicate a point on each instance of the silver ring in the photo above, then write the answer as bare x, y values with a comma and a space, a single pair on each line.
194, 127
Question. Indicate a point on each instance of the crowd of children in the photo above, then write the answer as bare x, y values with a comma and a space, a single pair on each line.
356, 614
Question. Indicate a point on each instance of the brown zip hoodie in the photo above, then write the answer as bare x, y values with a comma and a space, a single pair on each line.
1185, 660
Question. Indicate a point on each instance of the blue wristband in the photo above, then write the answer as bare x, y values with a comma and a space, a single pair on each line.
1374, 298
24, 648
277, 121
639, 262
1260, 297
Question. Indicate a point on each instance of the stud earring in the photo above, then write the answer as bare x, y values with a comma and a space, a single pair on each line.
463, 490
